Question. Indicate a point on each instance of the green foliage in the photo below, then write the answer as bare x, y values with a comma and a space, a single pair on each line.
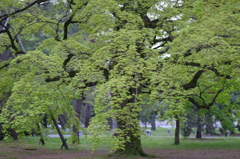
121, 48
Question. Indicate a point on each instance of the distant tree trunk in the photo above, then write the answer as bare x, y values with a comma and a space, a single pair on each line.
1, 133
199, 127
209, 124
64, 143
41, 141
153, 120
62, 121
78, 109
177, 131
87, 115
1, 129
110, 123
14, 134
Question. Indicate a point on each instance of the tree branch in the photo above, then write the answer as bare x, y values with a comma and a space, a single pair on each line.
193, 82
4, 16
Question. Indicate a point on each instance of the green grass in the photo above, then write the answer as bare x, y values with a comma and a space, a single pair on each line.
160, 131
159, 140
191, 143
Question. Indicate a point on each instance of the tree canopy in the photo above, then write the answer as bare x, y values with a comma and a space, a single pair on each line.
176, 51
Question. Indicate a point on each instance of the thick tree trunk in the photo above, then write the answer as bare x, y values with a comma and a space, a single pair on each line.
64, 143
199, 128
128, 123
133, 146
177, 131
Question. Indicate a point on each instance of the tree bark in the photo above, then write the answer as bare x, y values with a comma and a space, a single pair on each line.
177, 131
132, 143
199, 128
133, 146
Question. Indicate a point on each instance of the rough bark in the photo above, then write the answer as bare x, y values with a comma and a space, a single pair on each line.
177, 132
133, 146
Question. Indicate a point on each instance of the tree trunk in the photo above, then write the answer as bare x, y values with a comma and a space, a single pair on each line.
145, 124
64, 143
1, 133
133, 146
209, 124
77, 109
153, 120
128, 123
14, 134
177, 131
199, 128
62, 121
87, 115
112, 123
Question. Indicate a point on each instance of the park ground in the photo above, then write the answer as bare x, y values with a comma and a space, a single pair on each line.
217, 148
19, 153
210, 147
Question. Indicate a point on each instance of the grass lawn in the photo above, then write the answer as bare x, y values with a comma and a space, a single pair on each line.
159, 141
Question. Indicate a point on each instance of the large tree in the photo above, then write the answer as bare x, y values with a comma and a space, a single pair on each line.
112, 49
118, 46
